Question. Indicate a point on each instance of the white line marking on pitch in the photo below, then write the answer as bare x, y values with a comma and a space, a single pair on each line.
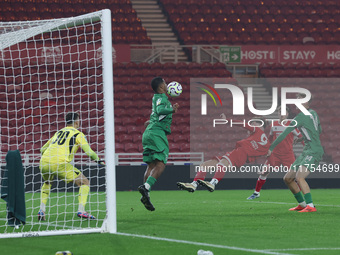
304, 249
204, 244
220, 202
284, 203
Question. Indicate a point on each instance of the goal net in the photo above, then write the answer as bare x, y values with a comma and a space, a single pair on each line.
49, 68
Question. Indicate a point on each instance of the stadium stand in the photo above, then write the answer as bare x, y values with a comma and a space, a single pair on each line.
126, 26
195, 22
299, 70
254, 22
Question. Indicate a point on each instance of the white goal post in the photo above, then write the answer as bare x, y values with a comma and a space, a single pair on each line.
49, 68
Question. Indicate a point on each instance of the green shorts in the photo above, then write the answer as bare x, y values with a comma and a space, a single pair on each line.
309, 159
155, 146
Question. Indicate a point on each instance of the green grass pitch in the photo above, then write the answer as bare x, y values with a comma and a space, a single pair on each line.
223, 222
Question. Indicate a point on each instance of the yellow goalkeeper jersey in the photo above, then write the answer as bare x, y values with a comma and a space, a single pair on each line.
64, 144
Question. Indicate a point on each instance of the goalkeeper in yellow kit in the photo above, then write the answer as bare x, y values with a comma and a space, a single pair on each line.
57, 154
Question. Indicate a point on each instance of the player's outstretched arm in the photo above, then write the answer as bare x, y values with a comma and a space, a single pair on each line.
89, 152
81, 140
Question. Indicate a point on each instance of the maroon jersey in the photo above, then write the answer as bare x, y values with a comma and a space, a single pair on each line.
286, 146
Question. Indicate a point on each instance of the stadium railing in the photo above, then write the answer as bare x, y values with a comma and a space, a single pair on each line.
175, 158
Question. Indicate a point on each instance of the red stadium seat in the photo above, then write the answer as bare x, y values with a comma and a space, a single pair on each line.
119, 148
131, 148
185, 147
180, 139
174, 147
120, 130
137, 138
133, 130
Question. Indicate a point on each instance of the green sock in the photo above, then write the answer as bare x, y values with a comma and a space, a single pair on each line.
299, 197
308, 198
151, 181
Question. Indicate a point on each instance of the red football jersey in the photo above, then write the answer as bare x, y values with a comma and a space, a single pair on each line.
256, 144
286, 146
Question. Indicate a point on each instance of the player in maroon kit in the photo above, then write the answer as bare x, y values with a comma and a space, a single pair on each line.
246, 150
283, 153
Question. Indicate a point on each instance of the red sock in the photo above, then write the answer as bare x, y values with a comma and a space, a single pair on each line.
259, 184
200, 176
219, 173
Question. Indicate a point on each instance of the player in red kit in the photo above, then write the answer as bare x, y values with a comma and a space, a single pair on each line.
246, 150
282, 155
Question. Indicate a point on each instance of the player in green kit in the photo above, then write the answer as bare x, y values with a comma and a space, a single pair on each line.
155, 142
308, 161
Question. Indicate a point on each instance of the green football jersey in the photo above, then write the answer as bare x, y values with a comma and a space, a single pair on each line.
310, 128
161, 116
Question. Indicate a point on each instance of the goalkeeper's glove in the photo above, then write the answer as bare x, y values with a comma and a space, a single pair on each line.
100, 162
